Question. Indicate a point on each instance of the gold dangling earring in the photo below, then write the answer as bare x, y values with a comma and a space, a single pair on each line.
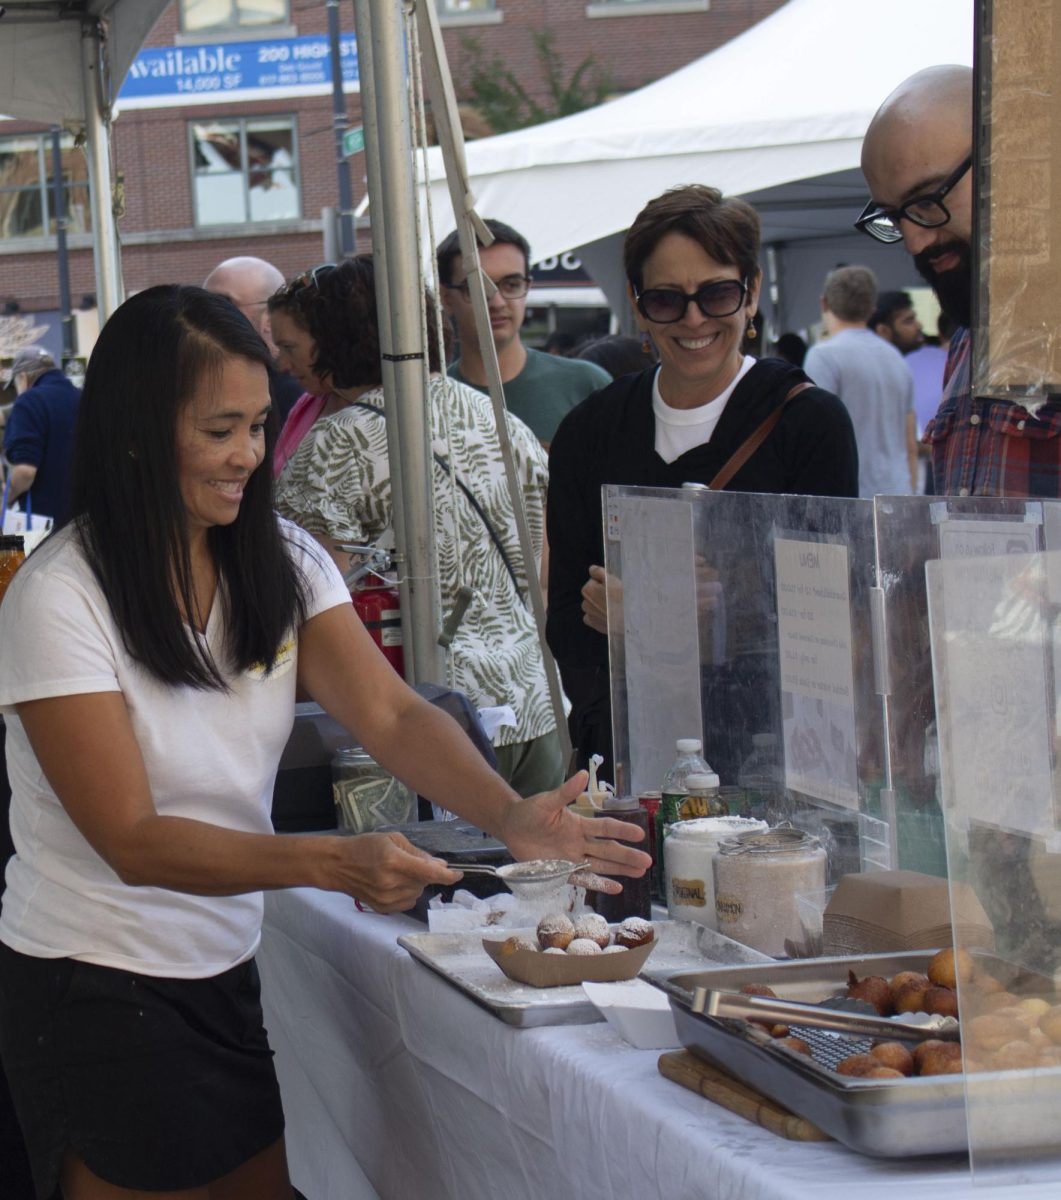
751, 333
646, 345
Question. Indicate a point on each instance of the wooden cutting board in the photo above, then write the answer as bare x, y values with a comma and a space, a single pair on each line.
698, 1076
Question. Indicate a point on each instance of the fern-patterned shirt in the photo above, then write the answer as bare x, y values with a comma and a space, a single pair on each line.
338, 484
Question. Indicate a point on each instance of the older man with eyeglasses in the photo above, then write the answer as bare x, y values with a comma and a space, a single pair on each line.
540, 389
917, 159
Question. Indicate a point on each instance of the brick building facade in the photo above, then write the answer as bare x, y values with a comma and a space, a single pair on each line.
206, 181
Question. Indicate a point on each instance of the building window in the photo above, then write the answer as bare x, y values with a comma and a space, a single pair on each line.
27, 182
244, 169
210, 16
641, 8
448, 8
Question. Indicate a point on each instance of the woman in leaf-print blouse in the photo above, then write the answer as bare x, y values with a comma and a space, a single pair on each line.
337, 485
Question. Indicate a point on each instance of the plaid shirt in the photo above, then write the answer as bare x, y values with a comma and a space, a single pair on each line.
984, 447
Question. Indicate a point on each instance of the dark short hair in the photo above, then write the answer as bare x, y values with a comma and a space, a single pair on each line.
618, 354
504, 235
149, 360
889, 305
337, 308
727, 228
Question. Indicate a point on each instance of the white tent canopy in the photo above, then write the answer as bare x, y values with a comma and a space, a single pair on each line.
62, 62
40, 53
777, 115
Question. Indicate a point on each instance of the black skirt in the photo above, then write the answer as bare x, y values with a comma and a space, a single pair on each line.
157, 1084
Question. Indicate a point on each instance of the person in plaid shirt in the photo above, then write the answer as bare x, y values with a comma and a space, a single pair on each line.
917, 160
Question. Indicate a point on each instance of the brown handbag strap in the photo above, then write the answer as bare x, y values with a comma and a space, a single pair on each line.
752, 442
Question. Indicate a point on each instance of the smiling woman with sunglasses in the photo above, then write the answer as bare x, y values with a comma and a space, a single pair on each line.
692, 266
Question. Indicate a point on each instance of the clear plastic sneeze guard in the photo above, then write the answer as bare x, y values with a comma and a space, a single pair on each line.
996, 653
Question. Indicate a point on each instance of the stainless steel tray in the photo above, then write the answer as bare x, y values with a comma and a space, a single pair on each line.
884, 1118
461, 960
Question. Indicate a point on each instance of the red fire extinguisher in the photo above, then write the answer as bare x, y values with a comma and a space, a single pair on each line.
376, 602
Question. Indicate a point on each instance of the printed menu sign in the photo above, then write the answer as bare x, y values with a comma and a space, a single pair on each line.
817, 679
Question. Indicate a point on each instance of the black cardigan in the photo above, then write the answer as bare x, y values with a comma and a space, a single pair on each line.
610, 438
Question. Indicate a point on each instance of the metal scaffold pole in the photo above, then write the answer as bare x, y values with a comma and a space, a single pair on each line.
109, 292
388, 152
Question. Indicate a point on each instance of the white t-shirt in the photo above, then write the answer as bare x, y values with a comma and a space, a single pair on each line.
210, 756
679, 430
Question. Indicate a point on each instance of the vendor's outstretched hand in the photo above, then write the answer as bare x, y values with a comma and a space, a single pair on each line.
543, 826
385, 870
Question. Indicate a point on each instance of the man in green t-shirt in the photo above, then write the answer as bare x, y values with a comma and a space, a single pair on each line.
540, 389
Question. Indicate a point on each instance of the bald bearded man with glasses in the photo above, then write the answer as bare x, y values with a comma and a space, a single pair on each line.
917, 160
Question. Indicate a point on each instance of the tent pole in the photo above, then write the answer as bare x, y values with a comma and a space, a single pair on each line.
97, 151
388, 145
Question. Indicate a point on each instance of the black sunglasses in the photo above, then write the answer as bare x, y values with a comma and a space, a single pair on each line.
310, 278
666, 305
928, 210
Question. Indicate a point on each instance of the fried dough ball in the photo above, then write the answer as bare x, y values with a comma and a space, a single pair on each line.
945, 968
593, 927
941, 1001
634, 931
997, 1000
1015, 1056
924, 1048
1032, 1008
795, 1043
991, 1031
911, 998
1050, 1024
907, 979
858, 1065
883, 1073
894, 1055
584, 946
945, 1059
760, 989
555, 929
512, 944
874, 989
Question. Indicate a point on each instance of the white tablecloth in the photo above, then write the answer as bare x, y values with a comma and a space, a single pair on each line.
397, 1085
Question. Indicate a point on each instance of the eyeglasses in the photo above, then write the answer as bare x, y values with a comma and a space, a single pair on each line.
512, 287
666, 305
928, 210
310, 278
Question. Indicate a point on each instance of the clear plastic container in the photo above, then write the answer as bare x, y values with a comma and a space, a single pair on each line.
689, 761
367, 796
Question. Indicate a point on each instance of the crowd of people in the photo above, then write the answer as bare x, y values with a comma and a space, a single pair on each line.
231, 440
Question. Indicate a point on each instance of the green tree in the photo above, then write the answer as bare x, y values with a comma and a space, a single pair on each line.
504, 103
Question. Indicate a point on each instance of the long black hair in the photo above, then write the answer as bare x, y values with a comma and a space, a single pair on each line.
150, 357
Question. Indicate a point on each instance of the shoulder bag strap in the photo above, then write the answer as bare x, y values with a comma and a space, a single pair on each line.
470, 497
753, 441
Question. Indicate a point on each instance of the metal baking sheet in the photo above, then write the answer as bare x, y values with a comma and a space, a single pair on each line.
884, 1118
461, 960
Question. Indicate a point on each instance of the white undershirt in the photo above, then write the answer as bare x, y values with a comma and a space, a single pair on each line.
679, 430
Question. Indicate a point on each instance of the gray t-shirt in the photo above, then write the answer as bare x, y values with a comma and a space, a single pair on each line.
546, 390
870, 377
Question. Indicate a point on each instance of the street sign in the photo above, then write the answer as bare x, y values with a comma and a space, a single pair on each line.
353, 141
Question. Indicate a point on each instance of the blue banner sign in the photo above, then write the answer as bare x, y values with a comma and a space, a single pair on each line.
222, 72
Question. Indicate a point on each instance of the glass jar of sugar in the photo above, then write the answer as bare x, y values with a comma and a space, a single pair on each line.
689, 852
758, 877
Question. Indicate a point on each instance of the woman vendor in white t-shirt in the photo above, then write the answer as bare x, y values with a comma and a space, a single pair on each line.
152, 649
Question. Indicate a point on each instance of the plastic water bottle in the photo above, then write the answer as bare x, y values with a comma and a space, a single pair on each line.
688, 762
762, 782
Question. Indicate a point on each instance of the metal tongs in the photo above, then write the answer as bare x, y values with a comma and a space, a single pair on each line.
763, 1008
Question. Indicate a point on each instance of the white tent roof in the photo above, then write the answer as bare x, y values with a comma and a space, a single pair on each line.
40, 53
788, 100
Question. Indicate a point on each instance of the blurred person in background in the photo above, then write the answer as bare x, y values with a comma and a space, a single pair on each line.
539, 388
894, 320
617, 353
249, 282
870, 377
39, 434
